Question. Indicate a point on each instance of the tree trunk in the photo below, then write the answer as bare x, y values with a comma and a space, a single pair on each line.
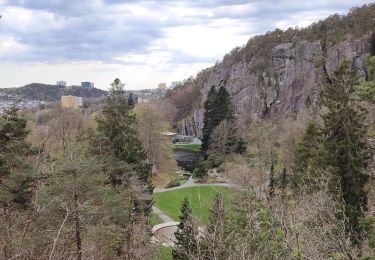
77, 221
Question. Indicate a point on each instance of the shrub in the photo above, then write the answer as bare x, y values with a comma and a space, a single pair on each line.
214, 160
201, 171
173, 183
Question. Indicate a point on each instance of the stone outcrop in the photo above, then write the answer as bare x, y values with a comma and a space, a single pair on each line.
286, 81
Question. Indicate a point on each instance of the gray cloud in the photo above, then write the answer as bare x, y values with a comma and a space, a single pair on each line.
70, 30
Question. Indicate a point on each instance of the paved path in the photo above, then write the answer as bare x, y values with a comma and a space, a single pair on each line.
164, 232
162, 215
190, 183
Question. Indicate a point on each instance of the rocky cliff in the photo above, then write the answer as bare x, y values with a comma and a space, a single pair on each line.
288, 85
282, 73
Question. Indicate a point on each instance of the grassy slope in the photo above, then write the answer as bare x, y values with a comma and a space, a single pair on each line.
201, 199
192, 147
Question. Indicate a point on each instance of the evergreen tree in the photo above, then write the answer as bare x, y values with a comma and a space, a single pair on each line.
16, 178
308, 156
131, 101
126, 164
209, 111
186, 245
225, 106
344, 140
118, 125
218, 106
76, 188
366, 89
15, 172
213, 243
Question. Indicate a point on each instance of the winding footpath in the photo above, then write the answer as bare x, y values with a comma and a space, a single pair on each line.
190, 183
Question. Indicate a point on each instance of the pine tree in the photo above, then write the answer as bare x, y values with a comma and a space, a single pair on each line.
16, 177
76, 188
308, 158
186, 245
126, 164
208, 124
366, 89
344, 140
218, 106
213, 243
131, 101
15, 172
118, 124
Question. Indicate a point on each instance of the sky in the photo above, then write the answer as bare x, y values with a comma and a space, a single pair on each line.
141, 42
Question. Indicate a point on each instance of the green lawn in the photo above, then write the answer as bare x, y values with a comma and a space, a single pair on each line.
163, 253
155, 219
192, 147
201, 199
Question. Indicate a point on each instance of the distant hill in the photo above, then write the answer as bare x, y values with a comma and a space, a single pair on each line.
44, 92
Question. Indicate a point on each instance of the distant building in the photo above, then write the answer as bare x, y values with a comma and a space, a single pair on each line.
86, 84
162, 86
175, 84
71, 102
61, 83
143, 100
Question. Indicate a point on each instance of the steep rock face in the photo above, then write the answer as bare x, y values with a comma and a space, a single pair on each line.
286, 81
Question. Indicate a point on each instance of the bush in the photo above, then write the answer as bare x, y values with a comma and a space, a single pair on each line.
220, 169
173, 183
201, 171
214, 160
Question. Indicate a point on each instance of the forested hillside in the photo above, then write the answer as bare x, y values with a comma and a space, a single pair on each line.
43, 92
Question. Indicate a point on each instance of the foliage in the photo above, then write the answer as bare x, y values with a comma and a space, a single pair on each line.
16, 178
344, 139
186, 245
366, 89
118, 124
308, 157
15, 172
215, 238
172, 184
218, 107
151, 124
254, 230
131, 101
201, 171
